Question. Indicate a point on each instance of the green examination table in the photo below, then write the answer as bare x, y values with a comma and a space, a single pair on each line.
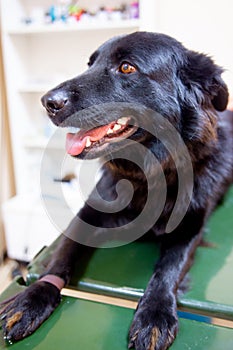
98, 305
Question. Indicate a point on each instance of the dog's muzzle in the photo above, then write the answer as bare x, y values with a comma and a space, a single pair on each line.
54, 102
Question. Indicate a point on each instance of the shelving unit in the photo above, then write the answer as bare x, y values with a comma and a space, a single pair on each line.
63, 27
38, 56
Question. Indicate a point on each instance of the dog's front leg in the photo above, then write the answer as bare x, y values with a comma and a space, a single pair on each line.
155, 322
22, 314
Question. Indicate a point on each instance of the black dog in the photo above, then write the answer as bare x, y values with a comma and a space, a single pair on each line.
146, 76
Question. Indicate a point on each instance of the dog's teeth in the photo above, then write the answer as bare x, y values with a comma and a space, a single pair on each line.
110, 131
116, 127
123, 120
88, 142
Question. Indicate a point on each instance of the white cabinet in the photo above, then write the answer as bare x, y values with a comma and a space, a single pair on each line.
37, 56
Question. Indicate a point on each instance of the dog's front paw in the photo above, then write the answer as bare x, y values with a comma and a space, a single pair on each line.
154, 326
24, 313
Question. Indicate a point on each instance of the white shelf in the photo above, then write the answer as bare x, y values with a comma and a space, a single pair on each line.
74, 27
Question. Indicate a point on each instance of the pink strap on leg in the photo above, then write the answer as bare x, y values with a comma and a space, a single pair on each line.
55, 280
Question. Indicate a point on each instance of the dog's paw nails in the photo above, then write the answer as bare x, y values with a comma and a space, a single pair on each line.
132, 340
171, 336
2, 316
131, 345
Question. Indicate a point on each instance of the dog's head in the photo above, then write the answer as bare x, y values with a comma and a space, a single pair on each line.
132, 74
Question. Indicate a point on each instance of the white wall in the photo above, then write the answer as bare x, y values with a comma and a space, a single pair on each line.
202, 25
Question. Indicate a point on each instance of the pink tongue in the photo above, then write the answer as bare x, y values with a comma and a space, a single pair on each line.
75, 143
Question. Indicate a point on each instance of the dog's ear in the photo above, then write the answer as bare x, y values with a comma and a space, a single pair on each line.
220, 101
201, 73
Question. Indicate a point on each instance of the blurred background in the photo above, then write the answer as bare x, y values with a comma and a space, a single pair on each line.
43, 42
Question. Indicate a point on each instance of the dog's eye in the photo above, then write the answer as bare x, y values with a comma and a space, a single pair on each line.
127, 68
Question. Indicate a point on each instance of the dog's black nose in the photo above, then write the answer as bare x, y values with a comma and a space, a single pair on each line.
54, 101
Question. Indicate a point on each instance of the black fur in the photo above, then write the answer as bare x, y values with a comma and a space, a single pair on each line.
186, 88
